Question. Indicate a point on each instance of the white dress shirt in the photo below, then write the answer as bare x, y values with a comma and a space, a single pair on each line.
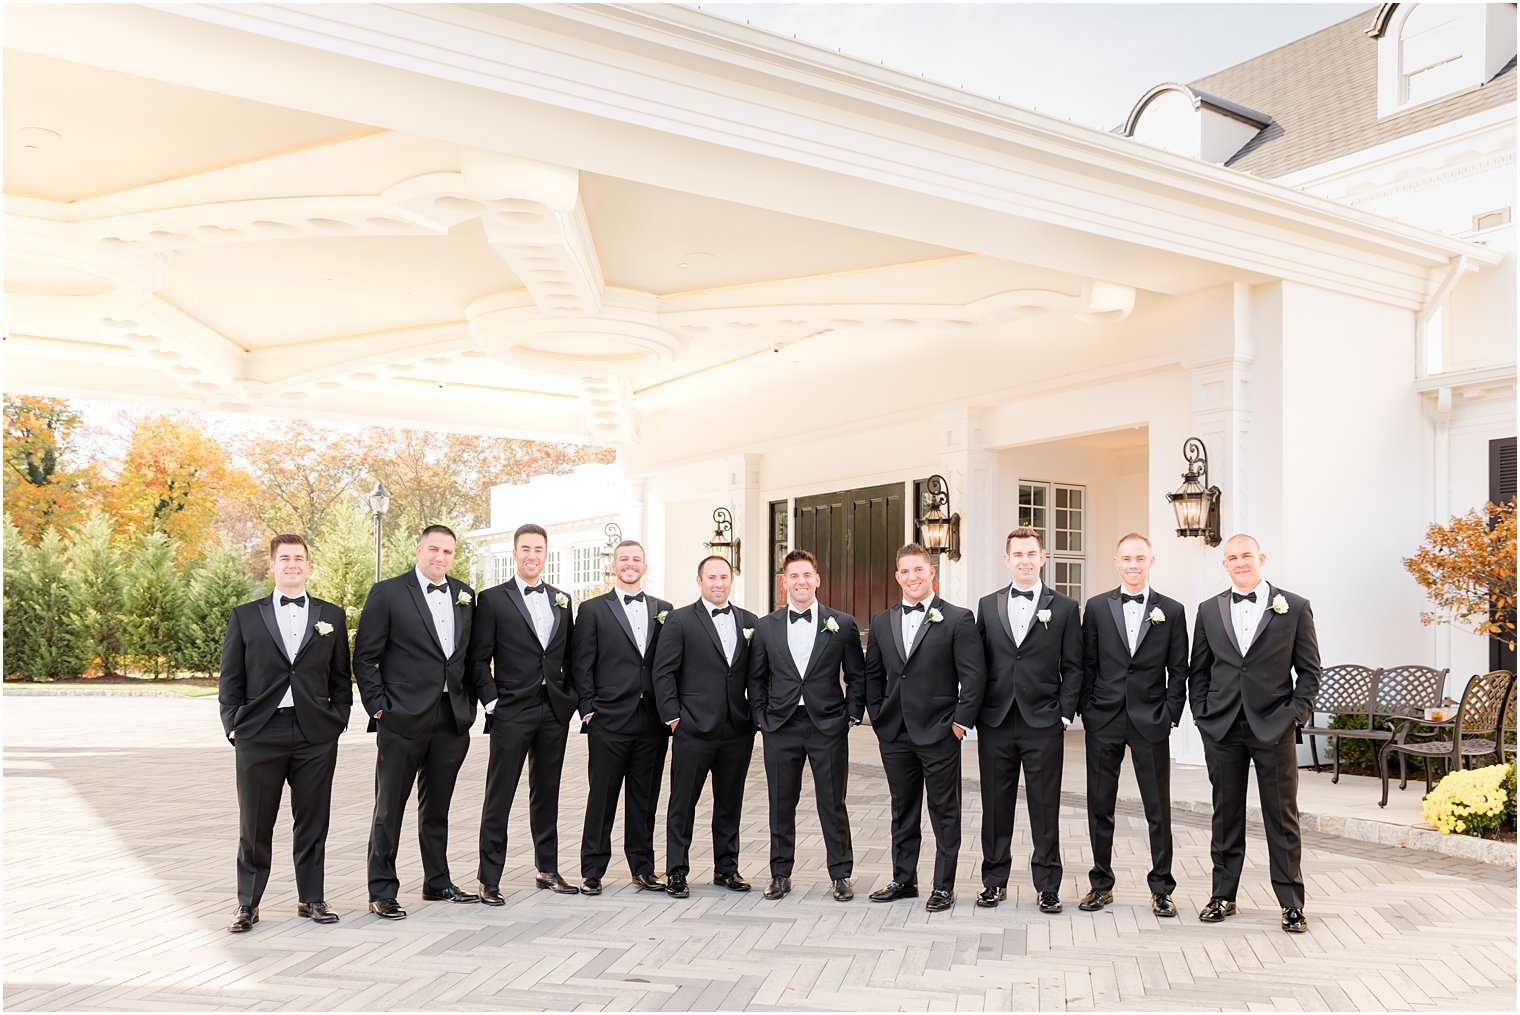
801, 634
1134, 616
1021, 611
728, 629
1246, 615
292, 621
442, 608
638, 616
539, 609
912, 621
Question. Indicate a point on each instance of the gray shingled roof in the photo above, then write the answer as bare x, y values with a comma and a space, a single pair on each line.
1321, 93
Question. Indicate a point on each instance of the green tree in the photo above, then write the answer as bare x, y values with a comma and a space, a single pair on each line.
155, 606
44, 632
98, 568
220, 583
343, 564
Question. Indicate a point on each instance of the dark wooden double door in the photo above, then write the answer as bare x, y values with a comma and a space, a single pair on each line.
855, 535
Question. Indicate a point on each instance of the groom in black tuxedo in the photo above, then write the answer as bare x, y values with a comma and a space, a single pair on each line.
612, 663
409, 660
1033, 641
924, 682
1134, 688
700, 669
285, 693
519, 641
1248, 643
795, 661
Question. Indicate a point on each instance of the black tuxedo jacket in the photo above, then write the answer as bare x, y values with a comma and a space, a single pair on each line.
941, 680
1044, 675
775, 686
256, 671
1150, 688
693, 680
508, 662
1222, 680
612, 680
399, 662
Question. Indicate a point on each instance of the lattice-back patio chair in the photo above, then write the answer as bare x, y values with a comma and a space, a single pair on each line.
1346, 689
1507, 728
1474, 730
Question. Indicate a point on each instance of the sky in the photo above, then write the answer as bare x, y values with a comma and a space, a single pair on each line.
1088, 63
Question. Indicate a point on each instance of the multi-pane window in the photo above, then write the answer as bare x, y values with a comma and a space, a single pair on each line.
1059, 512
554, 567
586, 571
503, 567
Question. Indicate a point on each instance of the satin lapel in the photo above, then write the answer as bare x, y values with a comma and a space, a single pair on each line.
1007, 622
513, 593
1116, 607
1145, 624
313, 614
1046, 595
459, 638
895, 620
1266, 618
1229, 626
420, 602
782, 656
554, 611
266, 610
615, 607
819, 634
704, 611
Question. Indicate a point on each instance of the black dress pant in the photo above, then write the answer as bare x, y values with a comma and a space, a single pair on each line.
910, 768
1229, 760
1153, 773
431, 761
623, 760
531, 734
828, 755
278, 754
726, 754
1001, 752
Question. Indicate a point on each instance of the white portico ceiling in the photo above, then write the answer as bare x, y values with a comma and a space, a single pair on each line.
244, 208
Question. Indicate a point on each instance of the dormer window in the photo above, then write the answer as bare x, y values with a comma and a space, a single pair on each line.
1429, 51
1184, 120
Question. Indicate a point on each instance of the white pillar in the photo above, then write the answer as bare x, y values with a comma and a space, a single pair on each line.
750, 528
970, 471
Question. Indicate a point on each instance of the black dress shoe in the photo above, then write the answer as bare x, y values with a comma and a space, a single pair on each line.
453, 893
777, 888
490, 895
243, 920
387, 909
676, 887
591, 886
316, 912
940, 900
895, 890
842, 891
554, 883
1049, 902
1162, 905
991, 896
648, 883
734, 882
1095, 900
1294, 921
1217, 910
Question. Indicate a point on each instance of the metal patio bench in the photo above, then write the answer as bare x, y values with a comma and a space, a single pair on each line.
1474, 731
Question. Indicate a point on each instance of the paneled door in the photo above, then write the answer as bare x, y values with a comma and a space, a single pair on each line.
855, 535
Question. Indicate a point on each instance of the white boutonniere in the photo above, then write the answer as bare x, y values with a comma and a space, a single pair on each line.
662, 615
323, 628
830, 626
561, 600
1157, 617
464, 598
748, 632
1279, 604
1043, 617
935, 616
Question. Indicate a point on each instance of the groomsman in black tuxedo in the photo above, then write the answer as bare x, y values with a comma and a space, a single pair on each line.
1134, 687
409, 660
924, 681
1248, 642
700, 669
285, 693
796, 658
1032, 637
612, 663
519, 640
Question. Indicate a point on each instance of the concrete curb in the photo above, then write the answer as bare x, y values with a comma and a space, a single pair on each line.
90, 692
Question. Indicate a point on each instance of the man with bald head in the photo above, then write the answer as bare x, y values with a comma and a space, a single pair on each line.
1252, 680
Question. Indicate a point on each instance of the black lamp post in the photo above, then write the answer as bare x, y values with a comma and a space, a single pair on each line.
939, 531
614, 533
379, 504
724, 543
1195, 502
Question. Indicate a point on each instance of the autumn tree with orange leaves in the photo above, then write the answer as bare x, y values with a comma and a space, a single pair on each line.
1467, 568
44, 487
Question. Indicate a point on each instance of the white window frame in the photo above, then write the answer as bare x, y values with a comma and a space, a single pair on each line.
1067, 557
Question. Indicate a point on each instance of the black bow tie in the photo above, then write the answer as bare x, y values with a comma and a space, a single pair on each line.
1026, 593
724, 610
297, 601
806, 615
444, 588
633, 599
530, 589
915, 608
1125, 597
1236, 597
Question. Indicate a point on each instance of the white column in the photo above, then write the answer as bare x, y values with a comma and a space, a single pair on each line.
970, 471
750, 523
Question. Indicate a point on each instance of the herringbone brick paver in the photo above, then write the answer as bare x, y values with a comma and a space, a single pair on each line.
121, 827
